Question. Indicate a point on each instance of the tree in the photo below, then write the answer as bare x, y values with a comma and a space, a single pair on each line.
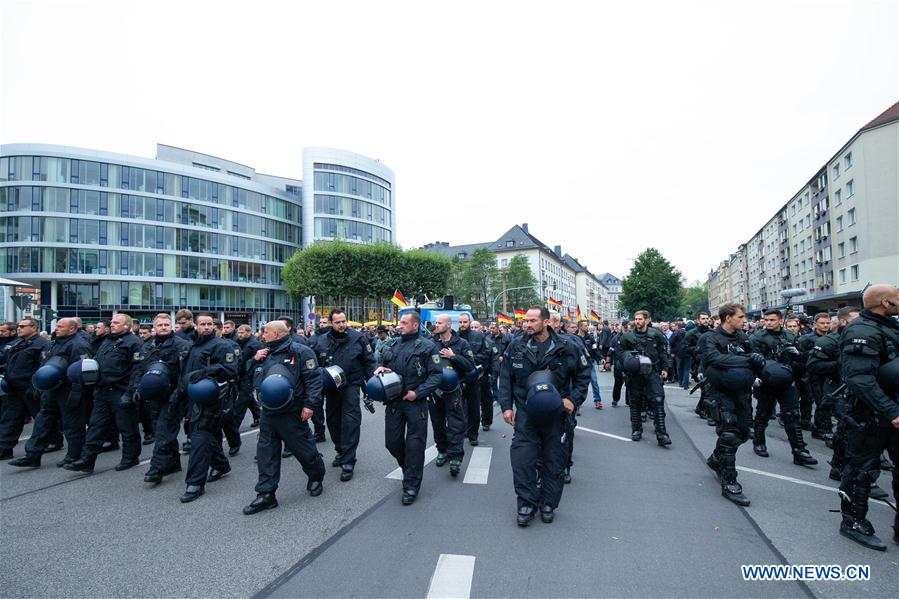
518, 274
479, 278
652, 284
694, 299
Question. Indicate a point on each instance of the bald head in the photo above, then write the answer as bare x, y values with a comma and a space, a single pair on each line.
66, 327
275, 330
881, 299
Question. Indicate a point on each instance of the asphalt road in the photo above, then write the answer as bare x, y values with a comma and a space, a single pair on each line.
638, 520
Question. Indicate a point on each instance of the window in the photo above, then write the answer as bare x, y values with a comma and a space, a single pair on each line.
854, 272
841, 250
839, 224
836, 171
851, 215
847, 161
827, 254
838, 197
505, 262
850, 189
853, 245
510, 243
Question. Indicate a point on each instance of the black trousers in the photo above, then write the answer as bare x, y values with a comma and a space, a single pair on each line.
471, 395
734, 419
865, 441
806, 401
55, 406
405, 436
205, 448
289, 429
535, 442
487, 400
821, 390
788, 400
166, 456
146, 418
232, 421
646, 392
840, 410
449, 421
570, 426
108, 413
619, 382
343, 415
14, 411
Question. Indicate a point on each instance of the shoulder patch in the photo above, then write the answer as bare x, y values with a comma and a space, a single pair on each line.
368, 347
583, 360
137, 356
236, 351
229, 357
310, 364
435, 358
496, 351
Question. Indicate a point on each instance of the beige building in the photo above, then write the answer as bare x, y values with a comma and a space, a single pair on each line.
838, 233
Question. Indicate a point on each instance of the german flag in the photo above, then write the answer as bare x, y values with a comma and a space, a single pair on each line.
503, 319
569, 314
554, 303
398, 299
520, 314
580, 316
595, 317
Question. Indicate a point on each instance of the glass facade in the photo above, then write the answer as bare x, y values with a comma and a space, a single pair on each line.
352, 204
104, 236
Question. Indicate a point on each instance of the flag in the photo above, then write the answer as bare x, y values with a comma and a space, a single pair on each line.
595, 317
580, 316
503, 319
398, 299
555, 303
520, 314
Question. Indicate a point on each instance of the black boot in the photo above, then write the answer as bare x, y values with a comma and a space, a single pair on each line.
862, 532
730, 488
758, 438
525, 515
801, 456
27, 461
82, 465
659, 421
263, 501
636, 421
191, 493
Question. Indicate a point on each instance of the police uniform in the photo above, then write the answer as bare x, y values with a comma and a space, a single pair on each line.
722, 354
805, 343
780, 347
352, 352
540, 441
488, 384
214, 358
471, 392
229, 430
819, 384
63, 402
117, 356
614, 352
416, 360
591, 349
285, 425
646, 389
318, 412
23, 357
867, 343
449, 413
823, 368
245, 398
691, 347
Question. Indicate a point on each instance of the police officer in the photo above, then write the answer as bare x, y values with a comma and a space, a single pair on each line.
298, 336
449, 414
776, 344
488, 380
646, 387
352, 352
417, 361
691, 344
804, 343
23, 358
64, 401
117, 355
614, 355
471, 391
539, 433
248, 345
729, 367
185, 320
872, 424
285, 420
210, 357
822, 426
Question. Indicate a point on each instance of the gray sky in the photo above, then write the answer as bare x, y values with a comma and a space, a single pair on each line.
608, 127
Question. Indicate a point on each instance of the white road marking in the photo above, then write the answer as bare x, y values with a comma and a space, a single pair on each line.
243, 434
430, 454
452, 577
797, 481
590, 430
478, 466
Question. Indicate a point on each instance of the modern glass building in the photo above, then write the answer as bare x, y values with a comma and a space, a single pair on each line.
96, 233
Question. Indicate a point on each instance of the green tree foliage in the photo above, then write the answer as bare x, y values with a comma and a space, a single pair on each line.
518, 274
479, 279
341, 269
694, 299
652, 284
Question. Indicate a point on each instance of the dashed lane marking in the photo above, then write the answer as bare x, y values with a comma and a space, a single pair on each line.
452, 577
595, 432
798, 481
430, 454
478, 466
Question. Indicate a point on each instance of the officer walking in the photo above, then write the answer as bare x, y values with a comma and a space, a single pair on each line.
117, 355
248, 346
690, 349
822, 426
63, 401
868, 363
289, 382
488, 380
211, 359
644, 385
22, 359
352, 353
471, 391
449, 414
416, 360
539, 367
778, 345
730, 368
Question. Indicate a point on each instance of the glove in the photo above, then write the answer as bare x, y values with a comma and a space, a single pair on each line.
756, 361
196, 376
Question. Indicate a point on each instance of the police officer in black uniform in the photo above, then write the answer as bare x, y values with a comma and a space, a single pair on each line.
417, 361
318, 415
867, 344
729, 367
488, 380
352, 352
117, 356
214, 358
449, 413
471, 392
775, 343
646, 388
285, 421
22, 358
822, 426
248, 345
691, 344
64, 401
539, 349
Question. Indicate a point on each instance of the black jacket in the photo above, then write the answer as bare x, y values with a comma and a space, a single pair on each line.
477, 341
171, 350
464, 359
300, 361
724, 351
416, 360
653, 344
118, 356
22, 359
676, 343
867, 343
351, 351
211, 355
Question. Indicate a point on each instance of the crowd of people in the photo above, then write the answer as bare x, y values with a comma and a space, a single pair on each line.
96, 388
